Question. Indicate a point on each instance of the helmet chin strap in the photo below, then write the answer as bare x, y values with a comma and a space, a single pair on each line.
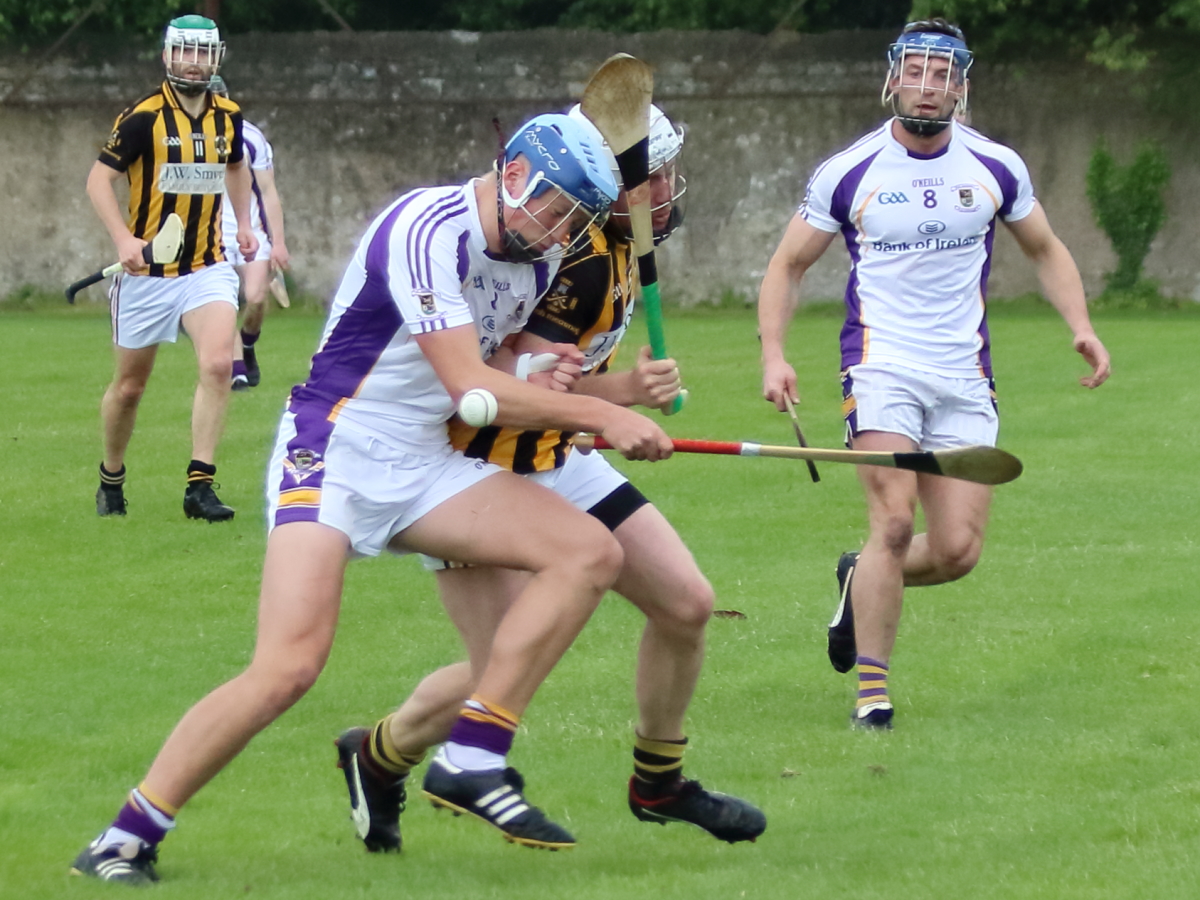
923, 127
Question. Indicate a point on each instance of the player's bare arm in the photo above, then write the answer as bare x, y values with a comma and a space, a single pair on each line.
802, 245
454, 356
237, 181
1059, 277
273, 210
101, 192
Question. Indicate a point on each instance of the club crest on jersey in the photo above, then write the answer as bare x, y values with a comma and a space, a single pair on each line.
222, 144
428, 303
966, 198
300, 464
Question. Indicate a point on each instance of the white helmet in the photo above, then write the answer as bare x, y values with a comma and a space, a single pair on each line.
666, 143
198, 34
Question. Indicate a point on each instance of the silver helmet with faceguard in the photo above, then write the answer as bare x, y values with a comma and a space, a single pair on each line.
192, 53
568, 173
668, 184
926, 85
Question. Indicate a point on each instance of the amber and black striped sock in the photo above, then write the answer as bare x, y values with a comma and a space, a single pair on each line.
657, 765
112, 481
381, 752
200, 471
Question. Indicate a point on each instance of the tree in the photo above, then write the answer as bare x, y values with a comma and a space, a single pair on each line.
1127, 202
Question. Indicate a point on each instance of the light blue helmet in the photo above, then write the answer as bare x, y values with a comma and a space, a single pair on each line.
563, 153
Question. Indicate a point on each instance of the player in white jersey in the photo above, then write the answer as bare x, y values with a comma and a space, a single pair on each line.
266, 218
363, 463
917, 202
589, 304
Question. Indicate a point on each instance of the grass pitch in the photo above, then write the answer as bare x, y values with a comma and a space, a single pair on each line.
1044, 744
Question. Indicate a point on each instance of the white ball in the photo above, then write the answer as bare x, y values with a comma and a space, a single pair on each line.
478, 407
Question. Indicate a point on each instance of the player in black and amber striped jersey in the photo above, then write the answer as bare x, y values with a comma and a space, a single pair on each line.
578, 324
180, 148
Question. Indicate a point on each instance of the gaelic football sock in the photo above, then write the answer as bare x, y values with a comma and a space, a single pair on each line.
872, 682
380, 753
141, 819
239, 368
481, 737
657, 765
200, 471
248, 339
112, 481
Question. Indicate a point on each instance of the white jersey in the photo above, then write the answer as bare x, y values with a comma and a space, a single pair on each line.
259, 156
919, 230
422, 266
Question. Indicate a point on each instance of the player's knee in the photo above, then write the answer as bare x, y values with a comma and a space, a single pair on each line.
129, 391
959, 558
596, 557
284, 684
217, 368
690, 608
896, 530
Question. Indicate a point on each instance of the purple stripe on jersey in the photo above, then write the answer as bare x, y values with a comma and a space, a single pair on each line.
843, 194
364, 329
1006, 179
985, 350
420, 239
853, 333
541, 273
464, 259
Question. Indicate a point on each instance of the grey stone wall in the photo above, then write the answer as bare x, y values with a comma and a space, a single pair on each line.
357, 119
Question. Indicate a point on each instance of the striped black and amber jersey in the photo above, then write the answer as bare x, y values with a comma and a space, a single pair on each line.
589, 304
176, 164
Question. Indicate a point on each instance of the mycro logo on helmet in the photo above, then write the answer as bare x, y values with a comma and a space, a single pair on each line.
931, 227
532, 136
892, 197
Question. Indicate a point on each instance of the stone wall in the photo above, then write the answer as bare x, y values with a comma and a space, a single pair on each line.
358, 118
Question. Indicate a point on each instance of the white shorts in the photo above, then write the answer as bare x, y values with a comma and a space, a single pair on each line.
147, 311
234, 254
584, 479
366, 489
934, 411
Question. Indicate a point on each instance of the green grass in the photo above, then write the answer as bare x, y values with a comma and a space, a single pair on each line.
1043, 746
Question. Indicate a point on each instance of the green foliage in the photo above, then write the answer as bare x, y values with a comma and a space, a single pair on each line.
1116, 34
1128, 204
42, 21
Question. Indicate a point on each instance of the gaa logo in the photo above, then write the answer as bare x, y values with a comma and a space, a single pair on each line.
892, 198
931, 227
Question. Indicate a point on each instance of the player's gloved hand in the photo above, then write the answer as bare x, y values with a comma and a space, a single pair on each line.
129, 253
656, 382
557, 367
635, 436
779, 378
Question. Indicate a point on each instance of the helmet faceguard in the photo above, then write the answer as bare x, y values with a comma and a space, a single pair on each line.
568, 188
926, 84
667, 184
192, 54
